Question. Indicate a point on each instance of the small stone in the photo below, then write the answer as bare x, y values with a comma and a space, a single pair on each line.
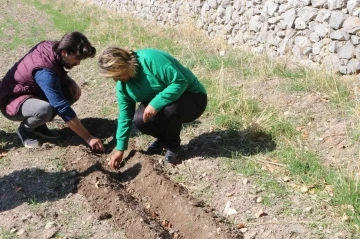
12, 231
241, 225
345, 218
26, 217
50, 233
261, 213
49, 225
222, 53
104, 215
259, 199
20, 232
230, 194
304, 189
245, 181
243, 230
287, 179
69, 195
308, 210
329, 189
228, 210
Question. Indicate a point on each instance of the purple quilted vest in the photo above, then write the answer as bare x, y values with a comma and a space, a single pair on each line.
19, 85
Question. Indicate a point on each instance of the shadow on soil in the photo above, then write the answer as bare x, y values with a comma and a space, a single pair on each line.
8, 140
98, 127
34, 186
225, 143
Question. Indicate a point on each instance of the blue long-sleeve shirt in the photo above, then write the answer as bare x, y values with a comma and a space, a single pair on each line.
49, 83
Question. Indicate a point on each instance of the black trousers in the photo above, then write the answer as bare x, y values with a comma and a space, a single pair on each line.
166, 124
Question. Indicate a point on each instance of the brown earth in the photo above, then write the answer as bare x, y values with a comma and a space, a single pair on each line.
63, 190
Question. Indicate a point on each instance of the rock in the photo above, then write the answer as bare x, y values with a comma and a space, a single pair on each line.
287, 179
345, 218
304, 189
245, 181
104, 216
260, 213
20, 232
308, 210
243, 230
50, 233
228, 210
50, 225
25, 217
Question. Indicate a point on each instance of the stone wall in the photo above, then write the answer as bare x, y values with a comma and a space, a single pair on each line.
311, 32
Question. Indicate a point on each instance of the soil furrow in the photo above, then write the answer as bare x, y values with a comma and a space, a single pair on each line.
144, 203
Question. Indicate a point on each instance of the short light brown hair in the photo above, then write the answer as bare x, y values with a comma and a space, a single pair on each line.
114, 61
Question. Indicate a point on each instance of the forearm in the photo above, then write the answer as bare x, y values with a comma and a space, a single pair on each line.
76, 126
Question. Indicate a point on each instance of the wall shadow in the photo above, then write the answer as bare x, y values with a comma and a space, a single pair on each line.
225, 143
34, 186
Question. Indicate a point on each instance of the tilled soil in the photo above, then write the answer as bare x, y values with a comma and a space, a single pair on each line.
145, 204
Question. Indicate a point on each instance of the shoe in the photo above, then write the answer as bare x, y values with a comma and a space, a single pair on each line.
27, 139
43, 131
156, 147
172, 156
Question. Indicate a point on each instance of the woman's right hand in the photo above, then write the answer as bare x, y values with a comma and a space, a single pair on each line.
116, 159
96, 145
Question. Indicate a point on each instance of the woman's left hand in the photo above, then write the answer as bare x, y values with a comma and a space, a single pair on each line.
148, 113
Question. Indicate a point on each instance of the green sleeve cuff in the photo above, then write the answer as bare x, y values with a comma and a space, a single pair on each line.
121, 145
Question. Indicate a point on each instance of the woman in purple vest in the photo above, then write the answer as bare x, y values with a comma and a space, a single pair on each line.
37, 88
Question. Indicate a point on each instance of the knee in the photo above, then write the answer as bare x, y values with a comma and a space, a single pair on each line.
171, 111
45, 111
138, 121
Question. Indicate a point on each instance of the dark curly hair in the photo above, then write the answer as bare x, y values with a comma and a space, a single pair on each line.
75, 43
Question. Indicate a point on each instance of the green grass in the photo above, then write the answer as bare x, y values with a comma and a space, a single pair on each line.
33, 201
57, 163
178, 179
5, 234
4, 161
281, 71
62, 22
20, 34
108, 110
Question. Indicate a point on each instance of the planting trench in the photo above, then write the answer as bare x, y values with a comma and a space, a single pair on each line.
143, 202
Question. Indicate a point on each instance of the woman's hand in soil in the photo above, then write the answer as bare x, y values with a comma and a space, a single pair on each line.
116, 159
96, 145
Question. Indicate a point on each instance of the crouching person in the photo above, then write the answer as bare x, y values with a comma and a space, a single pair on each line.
169, 95
37, 88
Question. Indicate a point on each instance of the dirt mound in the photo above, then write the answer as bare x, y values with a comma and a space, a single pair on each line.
143, 202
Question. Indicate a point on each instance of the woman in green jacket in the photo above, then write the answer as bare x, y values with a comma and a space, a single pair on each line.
169, 93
